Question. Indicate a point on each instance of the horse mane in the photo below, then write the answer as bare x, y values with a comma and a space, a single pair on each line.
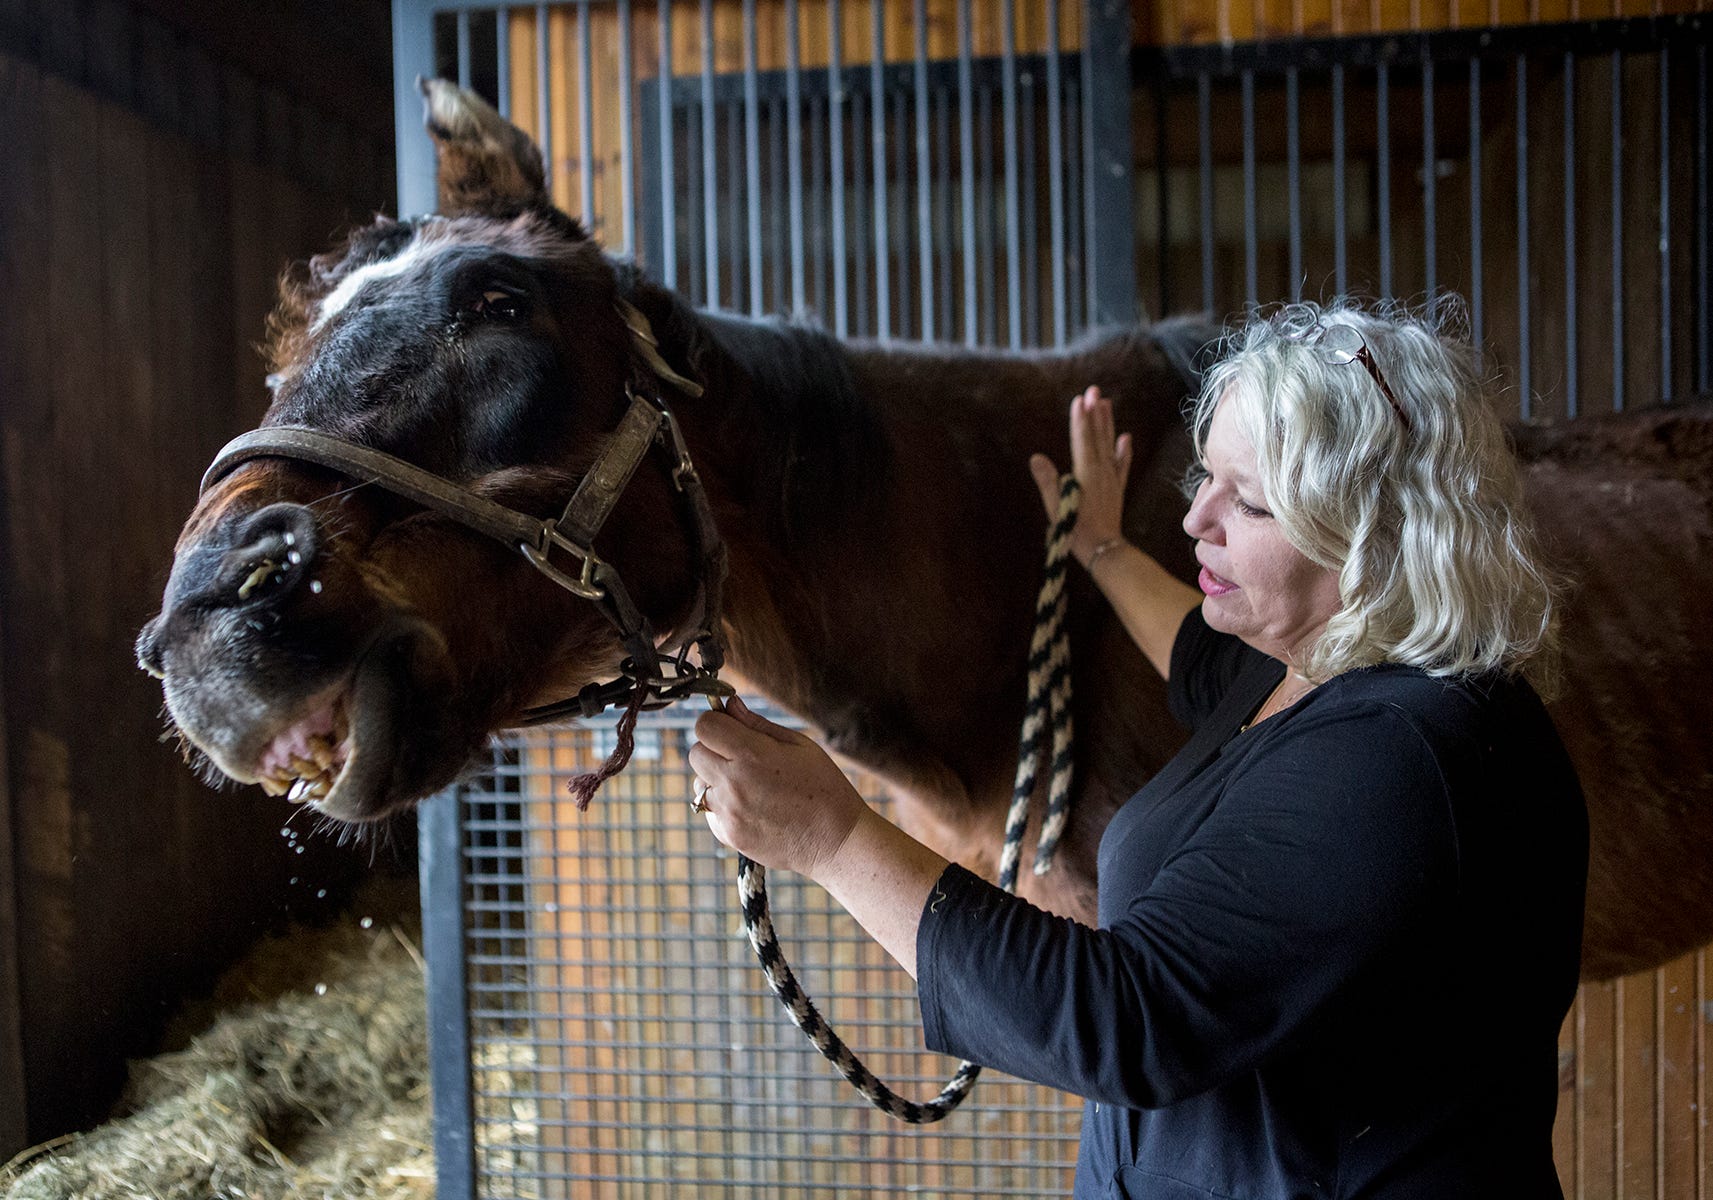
824, 452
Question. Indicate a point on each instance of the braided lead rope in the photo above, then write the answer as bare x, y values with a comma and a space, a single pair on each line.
1049, 688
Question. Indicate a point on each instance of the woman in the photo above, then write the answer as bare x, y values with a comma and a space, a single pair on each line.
1338, 933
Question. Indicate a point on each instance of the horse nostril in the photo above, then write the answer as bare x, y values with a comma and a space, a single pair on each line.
278, 543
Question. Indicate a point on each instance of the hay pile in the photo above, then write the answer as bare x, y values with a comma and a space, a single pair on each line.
314, 1083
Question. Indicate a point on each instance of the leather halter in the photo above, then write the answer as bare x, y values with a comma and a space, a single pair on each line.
647, 421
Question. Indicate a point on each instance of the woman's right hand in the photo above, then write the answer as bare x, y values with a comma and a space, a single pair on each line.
1101, 463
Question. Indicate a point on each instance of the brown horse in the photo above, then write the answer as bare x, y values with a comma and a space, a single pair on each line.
884, 542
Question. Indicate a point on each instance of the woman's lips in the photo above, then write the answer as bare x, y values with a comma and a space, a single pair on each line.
1213, 585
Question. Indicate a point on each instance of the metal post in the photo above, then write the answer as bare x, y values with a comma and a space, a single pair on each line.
413, 56
794, 152
666, 248
752, 157
1109, 244
924, 179
1056, 173
440, 854
877, 134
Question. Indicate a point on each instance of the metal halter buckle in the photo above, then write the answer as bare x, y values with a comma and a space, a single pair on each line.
584, 586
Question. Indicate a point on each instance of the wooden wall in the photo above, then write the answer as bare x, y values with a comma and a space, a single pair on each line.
150, 193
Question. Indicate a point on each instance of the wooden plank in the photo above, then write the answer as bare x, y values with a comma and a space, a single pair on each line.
1596, 1090
1679, 1065
1636, 1133
1564, 1125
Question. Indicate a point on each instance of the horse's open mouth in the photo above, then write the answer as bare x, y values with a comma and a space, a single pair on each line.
306, 760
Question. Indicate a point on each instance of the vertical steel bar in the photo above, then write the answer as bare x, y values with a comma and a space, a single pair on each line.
966, 165
1056, 172
859, 214
836, 159
773, 184
696, 290
585, 114
1704, 231
413, 56
1076, 264
1477, 310
463, 47
1294, 182
737, 229
943, 212
1204, 142
794, 152
544, 97
877, 155
667, 251
1251, 281
441, 857
1109, 163
984, 213
818, 234
752, 157
1008, 132
1525, 324
1430, 183
1572, 400
924, 176
1031, 217
1383, 170
503, 61
1665, 347
710, 169
1340, 218
900, 241
1617, 61
627, 132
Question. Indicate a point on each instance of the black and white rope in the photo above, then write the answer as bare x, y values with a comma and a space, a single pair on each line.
1049, 699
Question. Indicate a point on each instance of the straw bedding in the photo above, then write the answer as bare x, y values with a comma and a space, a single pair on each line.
312, 1082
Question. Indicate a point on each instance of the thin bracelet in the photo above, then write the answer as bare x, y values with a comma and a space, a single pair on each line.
1111, 543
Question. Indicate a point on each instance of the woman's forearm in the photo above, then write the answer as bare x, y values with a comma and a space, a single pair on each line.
883, 877
1149, 600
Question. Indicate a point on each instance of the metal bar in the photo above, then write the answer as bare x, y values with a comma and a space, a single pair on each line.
860, 221
943, 211
877, 155
1251, 282
836, 157
463, 49
503, 62
1524, 323
1008, 131
1056, 172
1340, 217
1076, 266
817, 206
794, 151
627, 134
1430, 181
1108, 164
697, 289
752, 156
441, 867
413, 56
1204, 134
775, 183
924, 178
1477, 311
966, 165
1617, 61
1572, 401
710, 172
900, 241
585, 113
985, 248
544, 95
1031, 217
736, 228
1703, 232
1665, 370
1294, 183
667, 251
1383, 172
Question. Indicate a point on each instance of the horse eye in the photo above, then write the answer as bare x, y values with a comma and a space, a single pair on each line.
498, 304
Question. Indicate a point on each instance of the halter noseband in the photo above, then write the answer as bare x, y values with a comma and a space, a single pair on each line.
647, 421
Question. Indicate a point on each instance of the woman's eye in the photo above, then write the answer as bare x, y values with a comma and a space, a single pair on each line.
1250, 510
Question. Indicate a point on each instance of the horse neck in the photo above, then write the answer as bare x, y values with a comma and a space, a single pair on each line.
884, 531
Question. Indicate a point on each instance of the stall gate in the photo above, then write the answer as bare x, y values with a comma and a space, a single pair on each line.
1008, 173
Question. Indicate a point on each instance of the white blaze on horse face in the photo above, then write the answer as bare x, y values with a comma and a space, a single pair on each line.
413, 256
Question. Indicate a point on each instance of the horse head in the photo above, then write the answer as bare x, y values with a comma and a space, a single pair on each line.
321, 629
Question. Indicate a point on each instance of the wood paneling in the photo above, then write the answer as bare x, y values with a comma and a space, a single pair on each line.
148, 202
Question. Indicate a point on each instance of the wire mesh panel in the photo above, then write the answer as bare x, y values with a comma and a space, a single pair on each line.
623, 1041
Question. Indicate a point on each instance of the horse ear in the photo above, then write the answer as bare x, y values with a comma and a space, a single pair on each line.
487, 164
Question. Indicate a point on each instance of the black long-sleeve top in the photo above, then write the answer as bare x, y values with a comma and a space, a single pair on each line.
1334, 949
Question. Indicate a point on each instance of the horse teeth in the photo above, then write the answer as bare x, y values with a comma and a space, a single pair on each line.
299, 791
272, 786
319, 789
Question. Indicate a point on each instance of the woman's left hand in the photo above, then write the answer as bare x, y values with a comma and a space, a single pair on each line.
773, 795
